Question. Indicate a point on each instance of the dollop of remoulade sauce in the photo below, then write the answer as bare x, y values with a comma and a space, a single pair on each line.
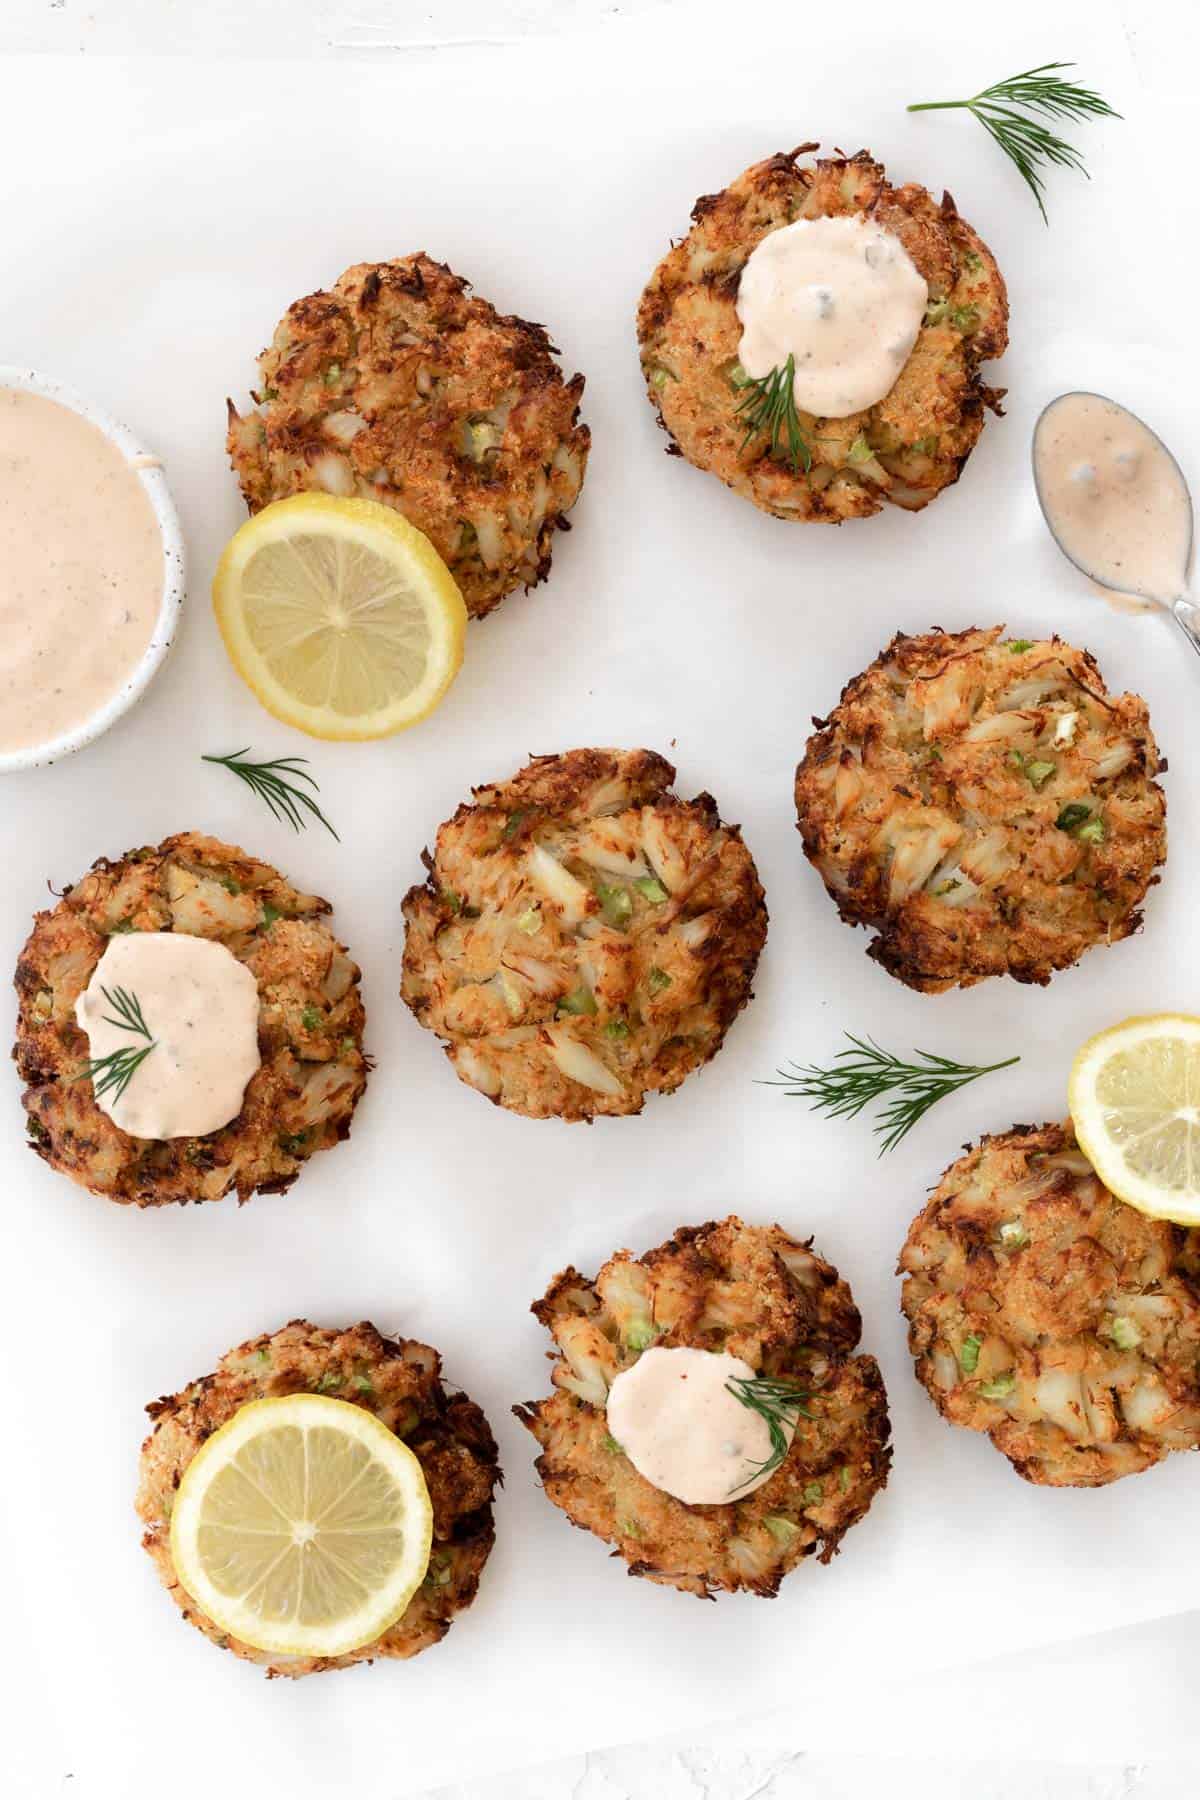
81, 570
683, 1428
1113, 496
843, 298
197, 1005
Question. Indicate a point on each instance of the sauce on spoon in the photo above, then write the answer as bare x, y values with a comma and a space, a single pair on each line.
1113, 496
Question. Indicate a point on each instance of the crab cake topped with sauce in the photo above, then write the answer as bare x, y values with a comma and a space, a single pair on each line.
1047, 1313
309, 1072
852, 252
399, 385
985, 805
756, 1401
399, 1382
584, 937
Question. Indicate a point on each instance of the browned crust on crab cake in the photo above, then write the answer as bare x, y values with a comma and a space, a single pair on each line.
584, 936
310, 1025
399, 1381
910, 445
399, 385
985, 805
756, 1293
1048, 1314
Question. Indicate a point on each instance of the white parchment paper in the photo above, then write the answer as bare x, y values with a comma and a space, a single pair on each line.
159, 217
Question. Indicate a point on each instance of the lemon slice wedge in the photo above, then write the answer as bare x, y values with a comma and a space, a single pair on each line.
303, 1526
1134, 1096
340, 615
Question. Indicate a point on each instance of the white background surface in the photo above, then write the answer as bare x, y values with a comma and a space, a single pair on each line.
625, 643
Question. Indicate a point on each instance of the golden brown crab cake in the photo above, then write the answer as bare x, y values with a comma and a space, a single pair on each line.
1047, 1313
905, 449
584, 936
399, 385
310, 1024
755, 1293
985, 805
400, 1382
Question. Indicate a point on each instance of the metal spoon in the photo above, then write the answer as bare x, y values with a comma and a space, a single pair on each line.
1181, 607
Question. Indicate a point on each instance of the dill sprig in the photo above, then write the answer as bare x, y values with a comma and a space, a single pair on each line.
113, 1073
865, 1072
780, 1402
769, 404
274, 783
1004, 110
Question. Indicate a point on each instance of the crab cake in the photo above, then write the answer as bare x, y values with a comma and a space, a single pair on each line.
905, 448
310, 1024
399, 385
1044, 1311
746, 1291
584, 937
985, 805
400, 1382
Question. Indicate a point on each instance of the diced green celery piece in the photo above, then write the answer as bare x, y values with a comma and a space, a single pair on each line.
968, 1356
616, 903
651, 889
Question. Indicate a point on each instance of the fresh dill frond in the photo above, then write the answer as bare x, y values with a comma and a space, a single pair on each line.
130, 1009
113, 1073
275, 782
768, 404
1008, 109
780, 1402
864, 1073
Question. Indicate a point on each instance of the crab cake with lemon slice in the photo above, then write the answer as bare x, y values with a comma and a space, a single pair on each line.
584, 936
1049, 1314
985, 806
295, 997
425, 1466
399, 385
859, 276
711, 1417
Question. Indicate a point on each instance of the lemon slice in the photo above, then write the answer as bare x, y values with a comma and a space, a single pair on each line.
340, 615
303, 1526
1134, 1096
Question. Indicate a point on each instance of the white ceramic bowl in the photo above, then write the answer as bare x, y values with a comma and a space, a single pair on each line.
154, 484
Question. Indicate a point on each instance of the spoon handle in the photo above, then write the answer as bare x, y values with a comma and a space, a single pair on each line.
1187, 616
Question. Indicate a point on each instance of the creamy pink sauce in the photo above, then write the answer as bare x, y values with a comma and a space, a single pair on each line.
200, 1008
1113, 496
843, 297
673, 1415
81, 570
